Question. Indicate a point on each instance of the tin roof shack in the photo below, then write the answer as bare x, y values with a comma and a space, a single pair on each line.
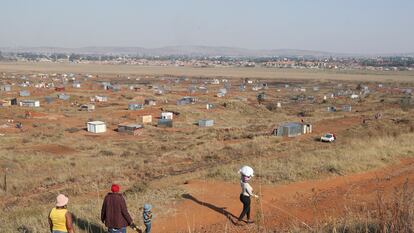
223, 90
167, 115
220, 94
165, 123
6, 88
147, 119
205, 123
76, 85
150, 102
96, 127
347, 108
215, 82
24, 93
203, 89
306, 128
331, 109
186, 100
87, 107
135, 106
13, 101
63, 96
106, 85
49, 99
5, 103
407, 91
115, 88
354, 96
293, 129
99, 98
132, 129
29, 103
192, 89
242, 87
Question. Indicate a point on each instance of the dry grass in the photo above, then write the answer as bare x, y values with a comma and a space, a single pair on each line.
354, 156
394, 215
264, 73
149, 166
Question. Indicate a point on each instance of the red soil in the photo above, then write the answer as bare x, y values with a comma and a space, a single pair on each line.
213, 206
53, 149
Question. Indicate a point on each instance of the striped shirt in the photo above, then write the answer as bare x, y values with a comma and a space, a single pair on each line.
147, 216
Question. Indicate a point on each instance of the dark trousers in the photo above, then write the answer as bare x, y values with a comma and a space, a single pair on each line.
246, 207
148, 227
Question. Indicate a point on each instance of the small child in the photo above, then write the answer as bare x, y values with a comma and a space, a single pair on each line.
147, 216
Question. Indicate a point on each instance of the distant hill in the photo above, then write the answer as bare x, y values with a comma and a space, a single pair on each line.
191, 51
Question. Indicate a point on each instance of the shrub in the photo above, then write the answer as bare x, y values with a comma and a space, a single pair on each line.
106, 153
72, 130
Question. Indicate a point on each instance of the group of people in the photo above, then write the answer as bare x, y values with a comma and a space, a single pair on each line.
115, 215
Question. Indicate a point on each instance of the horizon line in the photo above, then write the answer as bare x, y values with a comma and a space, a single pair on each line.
209, 46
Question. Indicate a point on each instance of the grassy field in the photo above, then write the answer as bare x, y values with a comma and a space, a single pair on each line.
54, 154
256, 73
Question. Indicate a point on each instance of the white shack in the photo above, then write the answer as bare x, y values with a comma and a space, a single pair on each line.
96, 127
167, 115
29, 103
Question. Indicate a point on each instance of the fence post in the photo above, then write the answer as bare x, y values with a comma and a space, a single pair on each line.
5, 180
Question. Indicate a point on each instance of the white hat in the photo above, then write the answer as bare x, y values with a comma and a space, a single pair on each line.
247, 171
61, 200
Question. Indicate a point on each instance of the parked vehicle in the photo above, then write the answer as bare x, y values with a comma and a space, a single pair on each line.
329, 137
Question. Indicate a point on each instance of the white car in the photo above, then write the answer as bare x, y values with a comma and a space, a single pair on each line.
329, 137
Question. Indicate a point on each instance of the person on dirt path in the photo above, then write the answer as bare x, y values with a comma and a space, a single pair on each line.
246, 173
114, 213
147, 217
60, 219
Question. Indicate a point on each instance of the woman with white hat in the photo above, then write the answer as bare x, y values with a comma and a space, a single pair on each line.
246, 173
60, 219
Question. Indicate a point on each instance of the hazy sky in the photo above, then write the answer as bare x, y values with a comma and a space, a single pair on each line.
355, 26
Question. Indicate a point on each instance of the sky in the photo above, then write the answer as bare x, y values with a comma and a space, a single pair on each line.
351, 26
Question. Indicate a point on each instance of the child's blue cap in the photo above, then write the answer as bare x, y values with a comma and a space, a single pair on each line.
147, 207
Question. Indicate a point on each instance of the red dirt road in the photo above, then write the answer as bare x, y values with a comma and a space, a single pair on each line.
212, 206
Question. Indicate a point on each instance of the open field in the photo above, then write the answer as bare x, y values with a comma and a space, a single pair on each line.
188, 172
256, 73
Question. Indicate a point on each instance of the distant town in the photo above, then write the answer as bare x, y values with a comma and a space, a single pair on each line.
380, 63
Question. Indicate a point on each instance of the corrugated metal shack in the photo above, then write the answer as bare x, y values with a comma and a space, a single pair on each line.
293, 129
135, 106
205, 123
133, 129
24, 93
166, 123
186, 100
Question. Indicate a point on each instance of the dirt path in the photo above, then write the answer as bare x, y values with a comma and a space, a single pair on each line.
212, 206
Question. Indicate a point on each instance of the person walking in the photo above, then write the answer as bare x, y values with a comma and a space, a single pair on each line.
114, 213
246, 173
147, 217
60, 219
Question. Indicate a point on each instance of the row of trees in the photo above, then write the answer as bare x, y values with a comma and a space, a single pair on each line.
389, 62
